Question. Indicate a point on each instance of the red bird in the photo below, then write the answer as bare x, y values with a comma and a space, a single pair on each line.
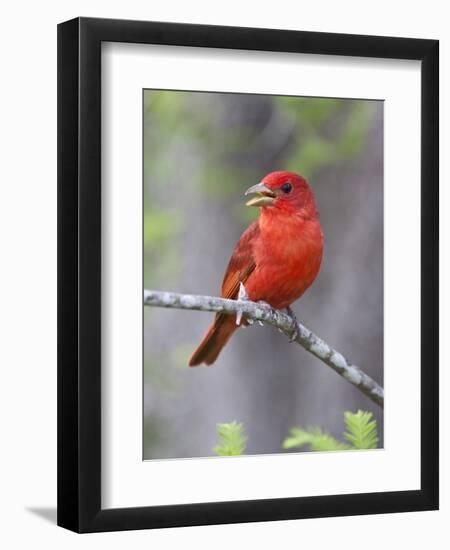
276, 259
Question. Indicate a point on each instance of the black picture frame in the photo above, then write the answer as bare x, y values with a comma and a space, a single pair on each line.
79, 274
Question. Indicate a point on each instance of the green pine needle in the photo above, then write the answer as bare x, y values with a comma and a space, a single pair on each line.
315, 438
232, 441
361, 430
361, 433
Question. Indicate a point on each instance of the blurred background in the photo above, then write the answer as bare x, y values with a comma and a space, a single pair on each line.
201, 152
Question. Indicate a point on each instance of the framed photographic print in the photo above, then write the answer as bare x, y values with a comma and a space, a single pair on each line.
248, 275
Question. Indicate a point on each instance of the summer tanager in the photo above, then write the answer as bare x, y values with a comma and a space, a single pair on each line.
276, 259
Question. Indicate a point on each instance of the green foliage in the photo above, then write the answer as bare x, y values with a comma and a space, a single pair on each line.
315, 438
161, 244
160, 226
361, 430
354, 131
232, 440
310, 112
361, 433
314, 154
330, 132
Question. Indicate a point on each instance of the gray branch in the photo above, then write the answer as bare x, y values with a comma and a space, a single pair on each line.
276, 318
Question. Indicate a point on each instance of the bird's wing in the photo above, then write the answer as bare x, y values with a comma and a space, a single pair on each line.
242, 263
239, 269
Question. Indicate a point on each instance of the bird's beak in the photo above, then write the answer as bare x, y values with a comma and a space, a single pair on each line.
265, 196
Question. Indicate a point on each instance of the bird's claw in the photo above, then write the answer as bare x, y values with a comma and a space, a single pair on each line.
242, 296
293, 317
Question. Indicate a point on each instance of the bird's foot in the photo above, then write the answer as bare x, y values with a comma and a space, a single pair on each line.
242, 296
293, 317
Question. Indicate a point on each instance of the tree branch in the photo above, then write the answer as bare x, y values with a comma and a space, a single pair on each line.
276, 318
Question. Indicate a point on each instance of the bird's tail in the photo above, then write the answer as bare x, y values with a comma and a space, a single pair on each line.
215, 339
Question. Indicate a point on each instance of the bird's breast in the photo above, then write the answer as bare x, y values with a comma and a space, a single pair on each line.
288, 258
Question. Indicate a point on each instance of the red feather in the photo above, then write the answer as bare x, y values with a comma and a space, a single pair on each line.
277, 258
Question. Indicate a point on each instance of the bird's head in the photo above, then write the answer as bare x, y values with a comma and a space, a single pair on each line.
283, 191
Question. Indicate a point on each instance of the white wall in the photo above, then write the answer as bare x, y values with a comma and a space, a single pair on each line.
28, 268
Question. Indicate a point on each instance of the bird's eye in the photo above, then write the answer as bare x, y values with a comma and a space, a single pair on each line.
286, 187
